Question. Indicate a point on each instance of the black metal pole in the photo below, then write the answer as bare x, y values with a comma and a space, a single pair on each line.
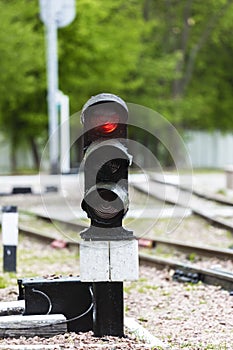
108, 311
9, 237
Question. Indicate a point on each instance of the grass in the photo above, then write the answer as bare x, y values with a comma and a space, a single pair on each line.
7, 279
152, 287
36, 259
142, 286
189, 286
207, 171
24, 171
142, 319
129, 287
192, 257
222, 191
57, 230
3, 282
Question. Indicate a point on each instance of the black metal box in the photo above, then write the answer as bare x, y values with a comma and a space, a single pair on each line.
64, 295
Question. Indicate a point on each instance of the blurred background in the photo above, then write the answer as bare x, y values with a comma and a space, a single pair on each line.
172, 56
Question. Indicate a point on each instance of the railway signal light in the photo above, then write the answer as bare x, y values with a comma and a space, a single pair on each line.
109, 253
106, 162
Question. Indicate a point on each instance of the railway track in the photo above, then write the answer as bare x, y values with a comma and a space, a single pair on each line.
200, 250
146, 241
190, 273
212, 197
184, 272
210, 208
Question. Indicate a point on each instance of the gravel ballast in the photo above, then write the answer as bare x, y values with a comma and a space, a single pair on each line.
183, 316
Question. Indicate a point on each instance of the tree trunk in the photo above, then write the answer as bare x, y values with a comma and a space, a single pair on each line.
186, 68
178, 83
35, 153
13, 156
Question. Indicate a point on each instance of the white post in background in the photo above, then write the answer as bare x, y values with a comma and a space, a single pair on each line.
52, 81
63, 101
9, 237
54, 14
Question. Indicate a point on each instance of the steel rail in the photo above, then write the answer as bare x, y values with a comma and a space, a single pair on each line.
31, 232
211, 197
223, 279
214, 221
200, 250
208, 276
209, 251
65, 223
222, 253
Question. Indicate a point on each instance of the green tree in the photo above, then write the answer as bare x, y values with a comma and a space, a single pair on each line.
173, 56
186, 65
99, 50
22, 76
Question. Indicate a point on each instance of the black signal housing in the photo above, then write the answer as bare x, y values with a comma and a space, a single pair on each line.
106, 162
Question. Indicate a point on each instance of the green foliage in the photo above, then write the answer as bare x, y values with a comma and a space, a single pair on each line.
22, 74
99, 51
186, 65
22, 63
3, 282
172, 56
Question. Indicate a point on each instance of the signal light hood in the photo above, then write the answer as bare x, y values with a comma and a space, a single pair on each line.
102, 98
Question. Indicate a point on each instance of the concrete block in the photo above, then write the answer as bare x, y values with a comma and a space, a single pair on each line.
94, 261
124, 260
112, 261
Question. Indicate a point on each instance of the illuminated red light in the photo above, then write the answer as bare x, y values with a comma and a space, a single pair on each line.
108, 123
107, 128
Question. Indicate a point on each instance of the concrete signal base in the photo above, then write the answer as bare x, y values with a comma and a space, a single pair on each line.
111, 261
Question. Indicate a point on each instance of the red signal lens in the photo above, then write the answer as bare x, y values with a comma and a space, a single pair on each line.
107, 128
107, 123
